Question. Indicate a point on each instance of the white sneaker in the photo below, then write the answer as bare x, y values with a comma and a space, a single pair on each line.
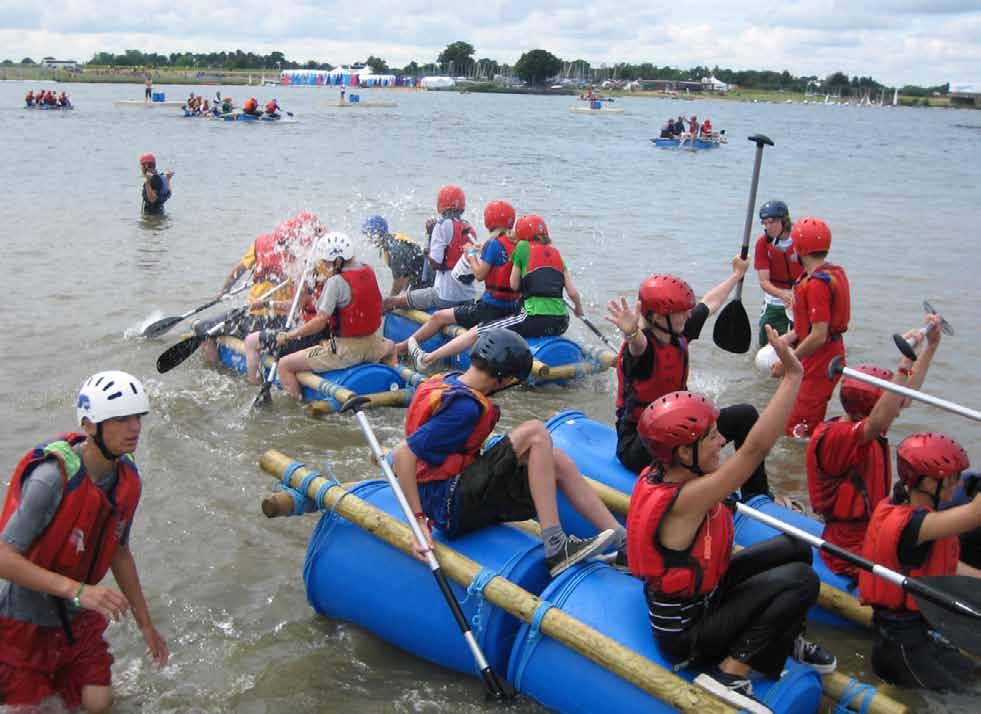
417, 354
738, 691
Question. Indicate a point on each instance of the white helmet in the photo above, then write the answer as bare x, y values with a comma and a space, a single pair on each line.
111, 394
334, 245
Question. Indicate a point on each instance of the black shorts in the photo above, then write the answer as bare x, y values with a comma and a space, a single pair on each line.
241, 327
473, 313
541, 326
493, 489
631, 451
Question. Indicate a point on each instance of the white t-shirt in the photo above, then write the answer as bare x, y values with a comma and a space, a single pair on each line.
448, 287
783, 245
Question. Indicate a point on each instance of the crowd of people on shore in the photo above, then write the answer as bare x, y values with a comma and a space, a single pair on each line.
47, 98
316, 306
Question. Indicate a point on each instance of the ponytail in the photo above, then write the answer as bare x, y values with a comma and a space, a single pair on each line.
899, 493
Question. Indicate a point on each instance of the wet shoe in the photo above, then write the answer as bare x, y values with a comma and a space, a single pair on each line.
814, 655
417, 354
576, 549
617, 559
734, 689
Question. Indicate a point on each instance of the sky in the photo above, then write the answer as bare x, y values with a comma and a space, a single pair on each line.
897, 42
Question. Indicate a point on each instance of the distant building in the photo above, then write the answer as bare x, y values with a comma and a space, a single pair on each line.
53, 63
965, 94
670, 85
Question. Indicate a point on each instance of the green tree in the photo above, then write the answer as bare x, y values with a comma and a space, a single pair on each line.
487, 68
411, 68
458, 57
27, 60
378, 65
536, 66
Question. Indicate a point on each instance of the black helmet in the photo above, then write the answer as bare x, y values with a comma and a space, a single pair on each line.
503, 353
774, 209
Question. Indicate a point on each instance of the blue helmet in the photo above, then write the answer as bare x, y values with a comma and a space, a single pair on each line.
774, 209
375, 225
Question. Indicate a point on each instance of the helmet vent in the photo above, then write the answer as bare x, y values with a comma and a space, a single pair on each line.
108, 385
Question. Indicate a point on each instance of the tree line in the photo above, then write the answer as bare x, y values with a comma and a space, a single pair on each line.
535, 67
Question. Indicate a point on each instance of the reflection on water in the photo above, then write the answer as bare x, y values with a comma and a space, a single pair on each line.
224, 584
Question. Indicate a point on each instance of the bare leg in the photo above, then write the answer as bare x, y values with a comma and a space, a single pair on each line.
460, 343
533, 445
209, 351
399, 286
395, 302
252, 357
436, 322
288, 367
96, 698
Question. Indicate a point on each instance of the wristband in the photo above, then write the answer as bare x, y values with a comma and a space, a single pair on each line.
632, 334
905, 371
77, 600
420, 516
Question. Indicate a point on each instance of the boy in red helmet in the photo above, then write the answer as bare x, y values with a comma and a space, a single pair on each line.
449, 240
654, 361
822, 308
848, 470
741, 612
910, 535
156, 187
493, 267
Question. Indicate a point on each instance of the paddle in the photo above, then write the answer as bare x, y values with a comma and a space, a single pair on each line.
176, 354
950, 603
588, 323
263, 396
906, 346
496, 686
732, 331
163, 325
837, 367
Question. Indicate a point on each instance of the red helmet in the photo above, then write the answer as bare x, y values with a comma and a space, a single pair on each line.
929, 454
676, 419
528, 227
499, 214
858, 398
148, 159
450, 198
665, 294
811, 235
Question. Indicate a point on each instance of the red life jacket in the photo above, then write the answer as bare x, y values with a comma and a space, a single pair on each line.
308, 308
433, 395
681, 574
363, 316
271, 107
669, 373
784, 270
270, 259
834, 276
463, 233
82, 536
250, 105
498, 280
882, 545
545, 273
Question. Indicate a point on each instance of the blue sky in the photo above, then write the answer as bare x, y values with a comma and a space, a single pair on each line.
895, 41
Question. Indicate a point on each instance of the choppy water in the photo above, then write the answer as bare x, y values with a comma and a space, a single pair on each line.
899, 188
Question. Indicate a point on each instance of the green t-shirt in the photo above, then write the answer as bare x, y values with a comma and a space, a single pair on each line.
536, 305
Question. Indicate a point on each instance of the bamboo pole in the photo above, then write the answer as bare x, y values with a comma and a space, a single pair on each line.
396, 398
501, 592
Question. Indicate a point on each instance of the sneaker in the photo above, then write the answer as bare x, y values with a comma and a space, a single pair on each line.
417, 354
617, 559
814, 655
576, 549
734, 689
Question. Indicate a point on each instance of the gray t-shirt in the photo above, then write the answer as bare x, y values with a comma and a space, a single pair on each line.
336, 293
40, 497
448, 287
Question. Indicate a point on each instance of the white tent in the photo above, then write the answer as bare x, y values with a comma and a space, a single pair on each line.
437, 82
715, 85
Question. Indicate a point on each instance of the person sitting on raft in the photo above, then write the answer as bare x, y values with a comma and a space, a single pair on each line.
273, 109
848, 464
653, 361
402, 255
346, 322
667, 131
706, 129
452, 486
251, 107
29, 99
449, 240
493, 266
538, 271
910, 535
743, 611
679, 127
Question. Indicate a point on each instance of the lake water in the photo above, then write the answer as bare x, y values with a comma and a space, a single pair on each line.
899, 188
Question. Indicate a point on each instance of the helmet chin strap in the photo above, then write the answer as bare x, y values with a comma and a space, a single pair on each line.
694, 467
934, 495
100, 442
667, 329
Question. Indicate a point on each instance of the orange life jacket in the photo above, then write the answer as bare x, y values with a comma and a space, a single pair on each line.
882, 546
433, 395
691, 573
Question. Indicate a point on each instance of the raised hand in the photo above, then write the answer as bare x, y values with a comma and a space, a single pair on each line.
620, 314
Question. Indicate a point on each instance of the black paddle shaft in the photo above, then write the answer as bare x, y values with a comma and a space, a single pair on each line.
760, 141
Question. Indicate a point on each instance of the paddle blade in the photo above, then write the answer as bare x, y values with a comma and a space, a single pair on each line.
262, 398
178, 353
732, 331
959, 619
160, 326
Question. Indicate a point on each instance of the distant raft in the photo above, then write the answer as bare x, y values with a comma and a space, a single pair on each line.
686, 143
50, 107
596, 107
556, 359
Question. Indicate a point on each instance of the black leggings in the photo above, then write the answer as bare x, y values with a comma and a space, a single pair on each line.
758, 610
906, 654
734, 424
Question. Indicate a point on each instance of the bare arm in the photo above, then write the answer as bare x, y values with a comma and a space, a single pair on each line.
951, 521
769, 288
965, 569
234, 275
124, 570
479, 267
573, 293
404, 465
887, 407
810, 344
148, 184
714, 298
628, 322
515, 277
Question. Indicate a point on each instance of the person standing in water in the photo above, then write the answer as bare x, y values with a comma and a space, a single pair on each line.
148, 91
156, 187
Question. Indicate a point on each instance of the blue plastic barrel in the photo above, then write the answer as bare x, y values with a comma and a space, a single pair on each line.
613, 603
351, 575
596, 104
366, 378
354, 99
158, 97
749, 531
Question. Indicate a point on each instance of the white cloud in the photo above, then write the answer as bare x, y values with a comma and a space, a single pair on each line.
895, 41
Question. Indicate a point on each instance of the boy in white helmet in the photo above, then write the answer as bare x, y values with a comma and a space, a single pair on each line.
347, 316
65, 523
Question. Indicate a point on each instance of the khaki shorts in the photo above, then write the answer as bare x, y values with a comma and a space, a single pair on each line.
350, 351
